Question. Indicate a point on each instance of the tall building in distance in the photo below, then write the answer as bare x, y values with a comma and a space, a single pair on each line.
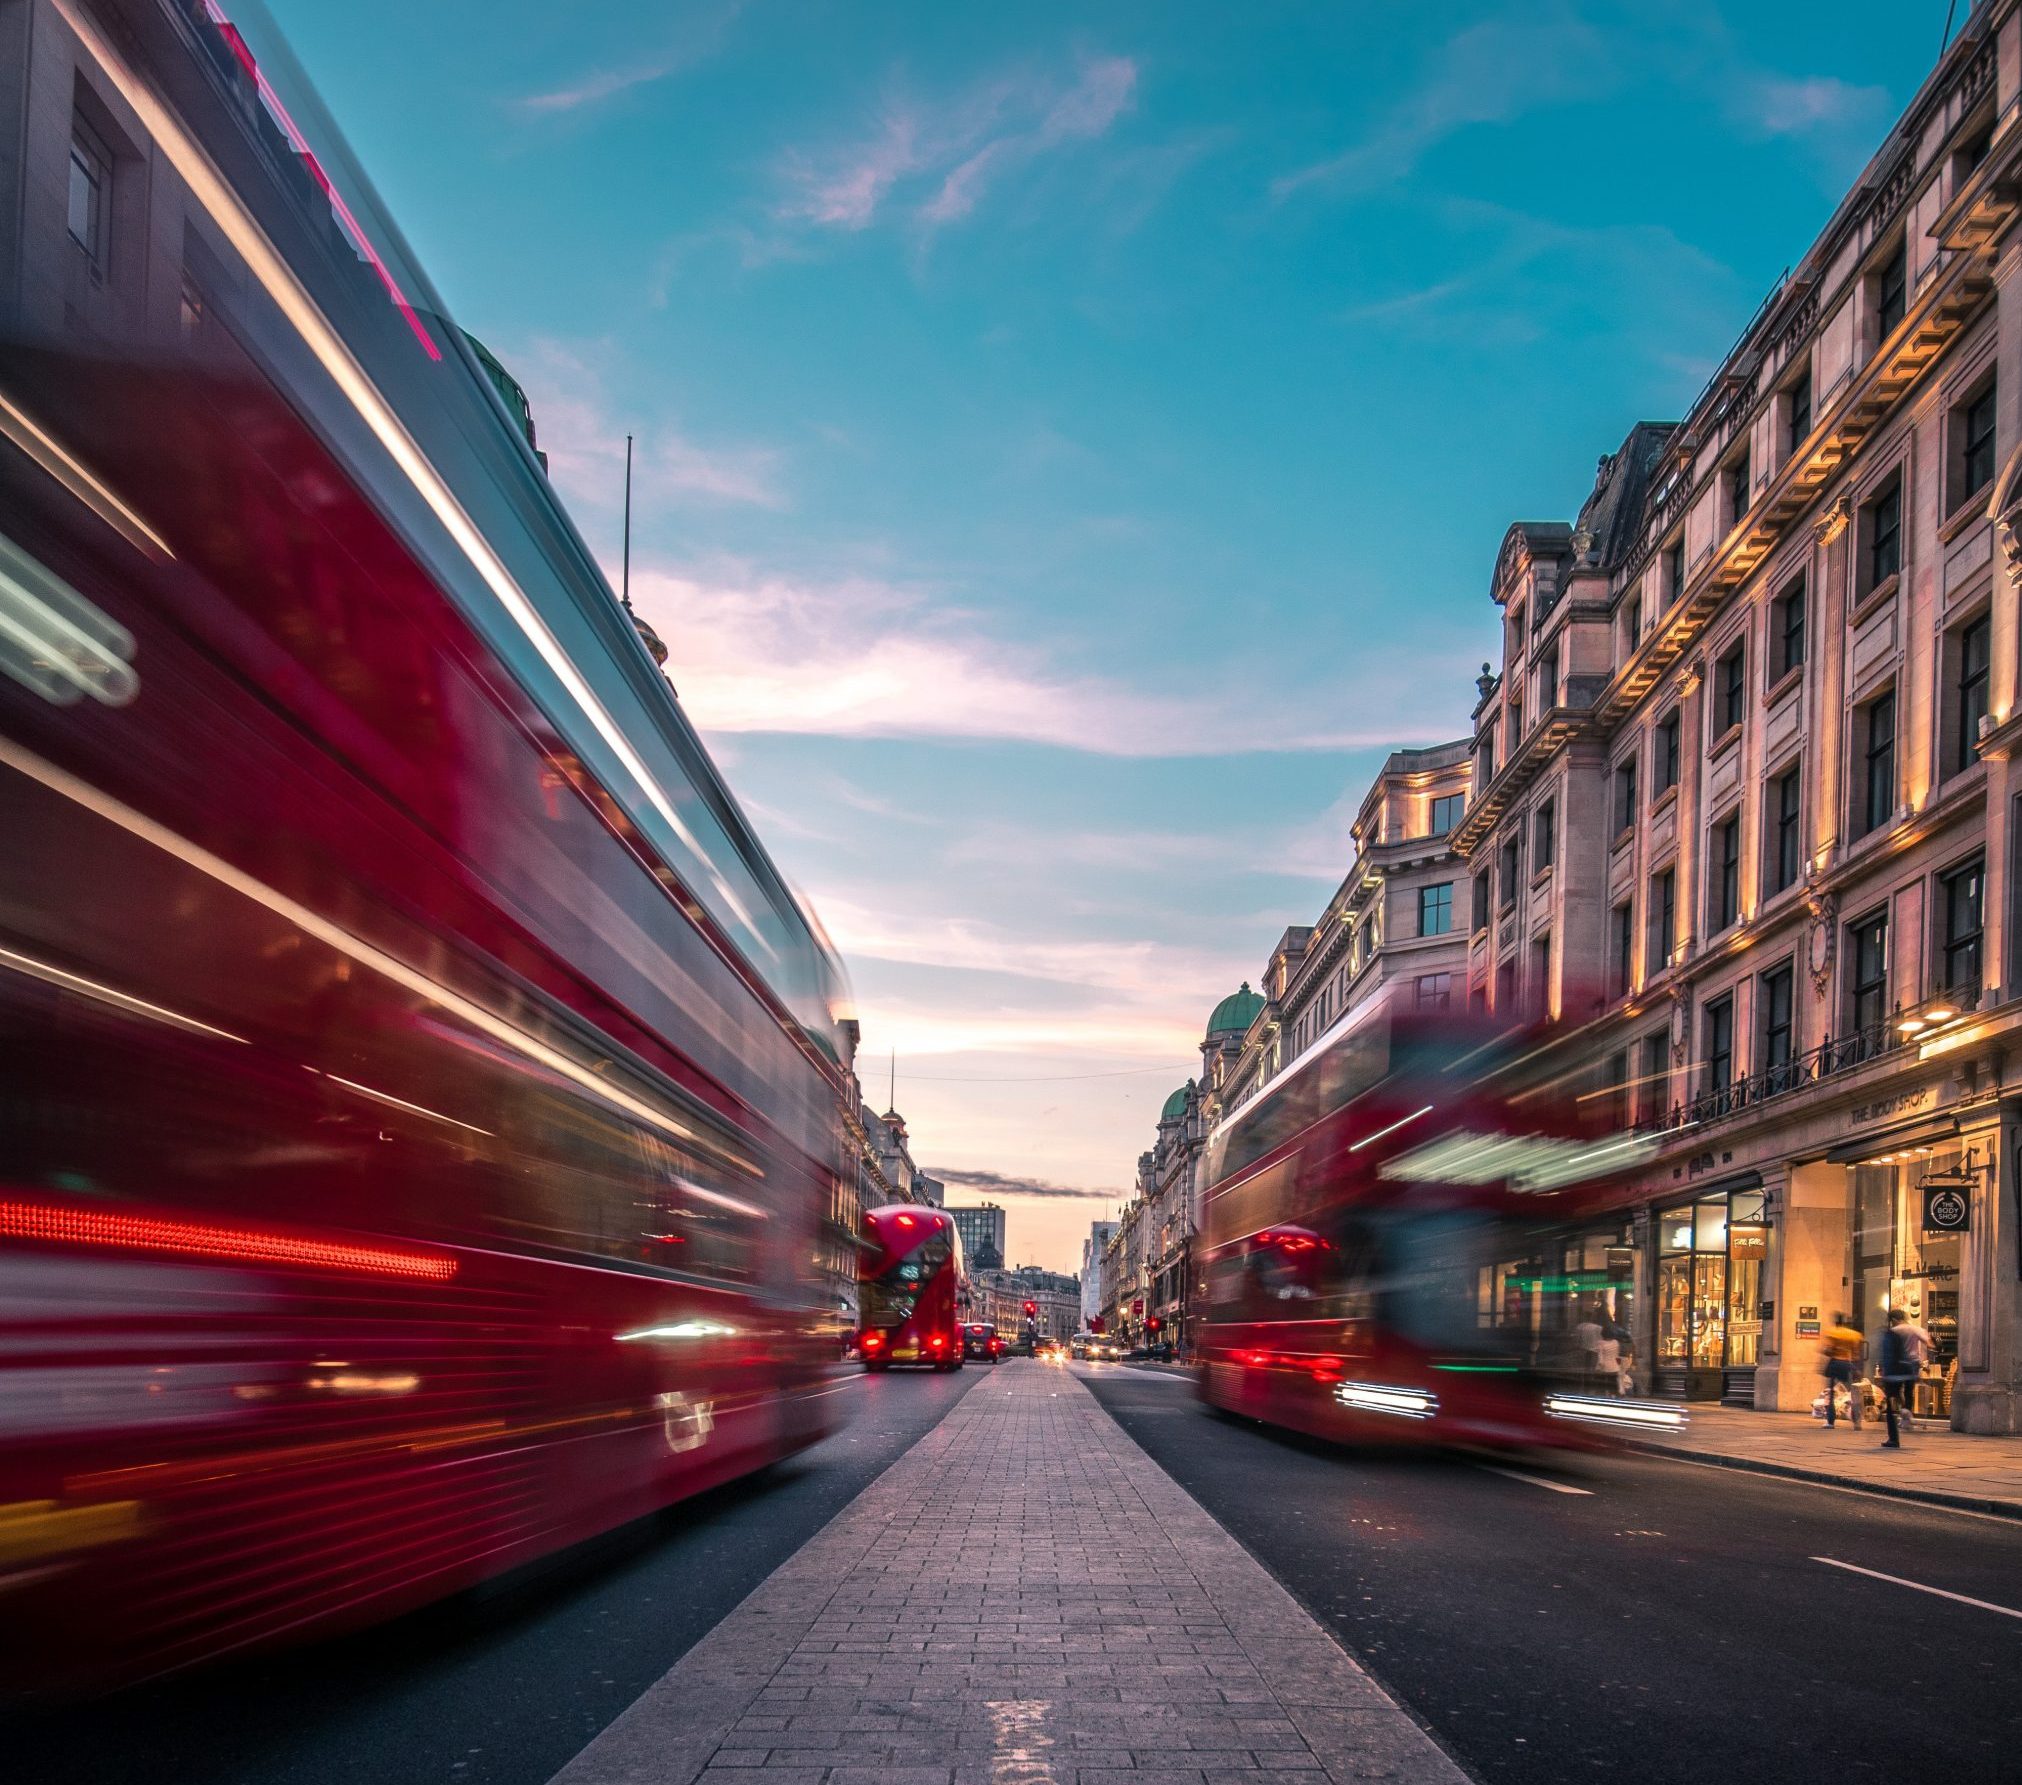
1100, 1233
982, 1231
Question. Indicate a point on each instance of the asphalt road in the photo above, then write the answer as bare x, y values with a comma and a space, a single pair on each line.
1668, 1624
502, 1686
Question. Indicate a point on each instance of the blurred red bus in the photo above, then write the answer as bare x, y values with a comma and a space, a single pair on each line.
1369, 1218
913, 1290
418, 1090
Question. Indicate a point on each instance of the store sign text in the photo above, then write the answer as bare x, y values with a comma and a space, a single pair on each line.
1903, 1103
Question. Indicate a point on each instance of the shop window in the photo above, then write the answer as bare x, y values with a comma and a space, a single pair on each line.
1786, 835
1735, 479
1868, 973
1788, 615
1625, 947
1726, 859
1663, 918
1730, 689
1625, 794
1881, 536
1719, 1040
1545, 836
1775, 1002
1969, 445
1892, 290
1664, 767
1709, 1289
1968, 657
1435, 909
1897, 1264
1446, 813
1875, 735
1961, 904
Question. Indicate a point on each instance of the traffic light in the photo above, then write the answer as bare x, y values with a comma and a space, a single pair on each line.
1031, 1308
1153, 1324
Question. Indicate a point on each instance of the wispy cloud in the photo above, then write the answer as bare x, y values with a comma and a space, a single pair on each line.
698, 32
583, 434
997, 1183
934, 161
762, 650
1492, 73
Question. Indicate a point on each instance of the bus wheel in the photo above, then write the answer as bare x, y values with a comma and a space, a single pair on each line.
877, 1363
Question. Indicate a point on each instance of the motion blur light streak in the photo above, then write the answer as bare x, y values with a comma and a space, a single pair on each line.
434, 1115
1375, 1397
153, 1233
56, 643
1371, 1139
70, 471
308, 320
105, 994
681, 1329
1598, 1410
61, 781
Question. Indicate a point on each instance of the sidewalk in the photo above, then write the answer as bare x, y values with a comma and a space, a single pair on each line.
1024, 1598
1936, 1464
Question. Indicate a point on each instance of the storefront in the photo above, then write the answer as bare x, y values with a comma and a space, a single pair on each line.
1912, 1229
1585, 1279
1709, 1293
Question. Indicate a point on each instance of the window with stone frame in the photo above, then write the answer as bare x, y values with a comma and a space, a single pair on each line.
1435, 909
1961, 918
1969, 430
1545, 837
1968, 661
1789, 616
1625, 947
1735, 489
1892, 289
1625, 794
1724, 855
1718, 1032
1663, 906
1664, 756
1867, 970
1875, 769
1797, 410
1776, 1008
1881, 536
1784, 810
1730, 689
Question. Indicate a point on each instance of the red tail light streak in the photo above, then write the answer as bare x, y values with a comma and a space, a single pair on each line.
154, 1233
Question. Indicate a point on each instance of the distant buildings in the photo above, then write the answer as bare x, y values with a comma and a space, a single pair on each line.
982, 1231
1099, 1236
999, 1296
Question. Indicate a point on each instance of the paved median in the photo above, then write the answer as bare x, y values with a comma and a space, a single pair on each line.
1024, 1598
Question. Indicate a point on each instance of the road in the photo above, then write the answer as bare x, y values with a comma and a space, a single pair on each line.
505, 1685
1667, 1623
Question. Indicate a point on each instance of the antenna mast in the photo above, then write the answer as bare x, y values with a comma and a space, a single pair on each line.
625, 587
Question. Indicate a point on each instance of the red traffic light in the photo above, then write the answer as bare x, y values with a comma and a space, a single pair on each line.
1031, 1307
1153, 1324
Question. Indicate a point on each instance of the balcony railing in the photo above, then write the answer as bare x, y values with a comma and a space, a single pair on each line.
1841, 1053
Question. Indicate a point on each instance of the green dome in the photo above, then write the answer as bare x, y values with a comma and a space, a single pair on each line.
1235, 1013
1175, 1105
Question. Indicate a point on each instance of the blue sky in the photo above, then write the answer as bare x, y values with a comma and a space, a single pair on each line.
1074, 439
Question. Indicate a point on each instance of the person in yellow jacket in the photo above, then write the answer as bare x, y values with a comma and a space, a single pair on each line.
1844, 1348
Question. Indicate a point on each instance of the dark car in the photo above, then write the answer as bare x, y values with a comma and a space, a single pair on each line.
981, 1342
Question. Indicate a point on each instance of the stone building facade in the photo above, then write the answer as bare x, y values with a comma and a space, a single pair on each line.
1748, 798
1396, 927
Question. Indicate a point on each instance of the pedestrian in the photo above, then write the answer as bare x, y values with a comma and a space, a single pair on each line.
1590, 1334
1843, 1347
1898, 1372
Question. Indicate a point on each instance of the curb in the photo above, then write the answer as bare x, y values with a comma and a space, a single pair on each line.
2004, 1509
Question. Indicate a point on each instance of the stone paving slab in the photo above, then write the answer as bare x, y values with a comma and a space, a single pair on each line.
1936, 1464
1023, 1598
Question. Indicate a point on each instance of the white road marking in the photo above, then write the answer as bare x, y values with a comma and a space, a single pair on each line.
1896, 1580
1543, 1481
839, 1387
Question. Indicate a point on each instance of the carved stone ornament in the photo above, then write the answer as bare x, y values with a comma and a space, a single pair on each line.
1833, 522
1681, 1027
1692, 676
1821, 939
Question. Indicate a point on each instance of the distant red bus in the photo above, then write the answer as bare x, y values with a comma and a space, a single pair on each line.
913, 1292
1384, 1236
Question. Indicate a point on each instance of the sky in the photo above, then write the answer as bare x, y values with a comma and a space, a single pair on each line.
1074, 439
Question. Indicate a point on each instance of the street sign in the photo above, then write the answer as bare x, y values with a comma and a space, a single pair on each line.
1137, 1307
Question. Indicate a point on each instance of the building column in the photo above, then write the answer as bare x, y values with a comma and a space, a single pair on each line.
1989, 1400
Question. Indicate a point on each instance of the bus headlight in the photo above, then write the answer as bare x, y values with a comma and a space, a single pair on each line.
1599, 1410
1376, 1397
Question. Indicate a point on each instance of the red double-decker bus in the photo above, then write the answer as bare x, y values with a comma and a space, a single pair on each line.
1385, 1231
418, 1090
913, 1289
